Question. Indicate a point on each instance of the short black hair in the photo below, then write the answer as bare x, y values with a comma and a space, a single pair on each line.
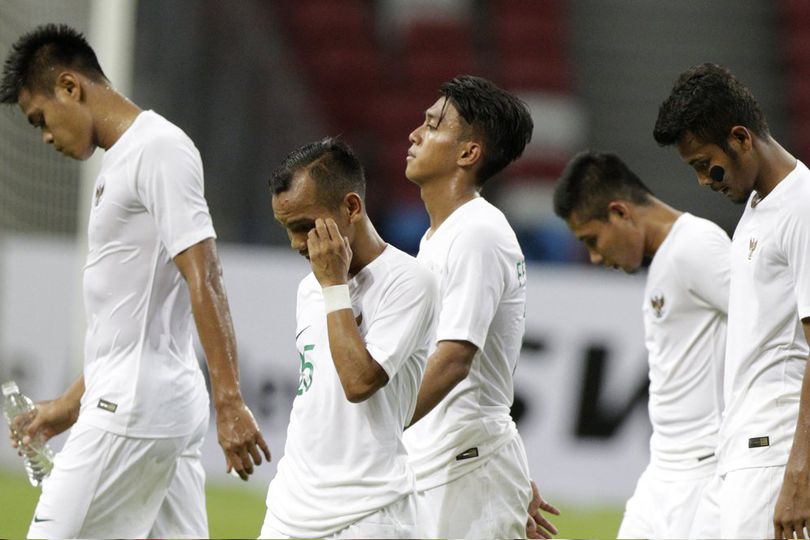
498, 117
32, 58
591, 180
331, 163
707, 100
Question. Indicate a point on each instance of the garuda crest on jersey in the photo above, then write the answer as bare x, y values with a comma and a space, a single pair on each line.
657, 302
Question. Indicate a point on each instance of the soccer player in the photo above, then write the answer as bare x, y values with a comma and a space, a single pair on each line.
472, 473
364, 316
719, 129
131, 464
621, 224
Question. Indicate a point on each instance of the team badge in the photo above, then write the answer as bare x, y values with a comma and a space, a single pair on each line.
99, 193
657, 302
752, 245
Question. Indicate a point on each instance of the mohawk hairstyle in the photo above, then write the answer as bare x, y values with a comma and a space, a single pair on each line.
32, 60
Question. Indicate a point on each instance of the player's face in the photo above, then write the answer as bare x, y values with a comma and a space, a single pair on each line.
435, 143
64, 123
737, 180
613, 243
297, 209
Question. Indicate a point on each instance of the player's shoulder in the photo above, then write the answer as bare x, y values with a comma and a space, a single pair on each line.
479, 222
699, 242
157, 134
396, 263
399, 269
308, 287
697, 229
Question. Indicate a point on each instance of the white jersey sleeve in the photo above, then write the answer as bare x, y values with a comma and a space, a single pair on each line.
473, 287
795, 240
170, 186
405, 314
706, 270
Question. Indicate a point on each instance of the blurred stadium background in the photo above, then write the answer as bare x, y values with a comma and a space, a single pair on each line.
251, 80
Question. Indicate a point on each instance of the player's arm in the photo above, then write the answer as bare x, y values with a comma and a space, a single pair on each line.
50, 418
792, 512
448, 365
330, 256
238, 434
360, 375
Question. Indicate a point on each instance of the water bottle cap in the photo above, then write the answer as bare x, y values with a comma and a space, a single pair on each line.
9, 388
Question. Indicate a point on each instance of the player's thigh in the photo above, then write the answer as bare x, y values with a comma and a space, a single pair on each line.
747, 502
71, 486
182, 513
639, 512
490, 501
119, 482
706, 523
397, 520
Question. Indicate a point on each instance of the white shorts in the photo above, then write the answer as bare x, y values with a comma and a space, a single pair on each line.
397, 520
741, 503
488, 502
663, 507
108, 486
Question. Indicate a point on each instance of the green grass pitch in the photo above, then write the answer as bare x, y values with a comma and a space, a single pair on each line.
238, 513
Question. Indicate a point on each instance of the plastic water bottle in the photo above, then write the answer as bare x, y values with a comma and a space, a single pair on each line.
37, 454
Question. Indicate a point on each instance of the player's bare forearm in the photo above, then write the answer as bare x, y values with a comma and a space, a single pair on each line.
792, 510
238, 433
200, 267
360, 375
447, 366
73, 395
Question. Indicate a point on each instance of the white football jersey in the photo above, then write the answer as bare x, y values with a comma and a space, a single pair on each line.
141, 374
342, 460
685, 306
478, 262
766, 351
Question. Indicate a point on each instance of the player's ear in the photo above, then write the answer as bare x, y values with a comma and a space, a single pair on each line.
470, 153
353, 204
69, 86
620, 209
741, 137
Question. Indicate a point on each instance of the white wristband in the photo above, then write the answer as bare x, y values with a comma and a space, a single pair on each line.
336, 297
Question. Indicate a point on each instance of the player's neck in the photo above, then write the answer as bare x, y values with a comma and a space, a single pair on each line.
443, 197
367, 246
659, 219
113, 115
776, 164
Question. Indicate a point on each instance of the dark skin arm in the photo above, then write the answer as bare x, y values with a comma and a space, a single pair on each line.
792, 512
448, 365
330, 256
238, 434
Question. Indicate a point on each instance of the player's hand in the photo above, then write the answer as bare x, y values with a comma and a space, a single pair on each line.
537, 526
50, 418
792, 512
240, 438
329, 253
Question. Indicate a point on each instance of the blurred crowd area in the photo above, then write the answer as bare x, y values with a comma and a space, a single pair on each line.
252, 80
